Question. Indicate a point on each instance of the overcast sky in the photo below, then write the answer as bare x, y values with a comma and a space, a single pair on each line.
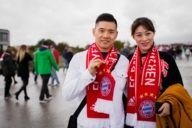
72, 21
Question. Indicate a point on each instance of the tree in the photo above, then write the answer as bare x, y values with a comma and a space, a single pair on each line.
61, 46
43, 40
118, 44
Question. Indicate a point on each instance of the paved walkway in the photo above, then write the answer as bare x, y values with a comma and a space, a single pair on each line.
185, 67
55, 113
32, 114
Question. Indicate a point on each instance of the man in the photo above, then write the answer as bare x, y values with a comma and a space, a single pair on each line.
99, 73
43, 63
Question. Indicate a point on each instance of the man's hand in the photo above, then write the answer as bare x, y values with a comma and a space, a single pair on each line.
94, 65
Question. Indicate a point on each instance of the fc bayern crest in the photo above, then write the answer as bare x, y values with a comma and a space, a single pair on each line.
105, 86
146, 109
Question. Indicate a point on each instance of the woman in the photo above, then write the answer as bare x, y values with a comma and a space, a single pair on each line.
23, 59
150, 73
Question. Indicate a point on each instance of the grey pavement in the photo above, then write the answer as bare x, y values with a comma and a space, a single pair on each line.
32, 114
185, 68
55, 113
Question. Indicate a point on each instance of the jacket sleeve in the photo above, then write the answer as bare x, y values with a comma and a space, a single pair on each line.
77, 78
170, 74
53, 61
35, 63
56, 55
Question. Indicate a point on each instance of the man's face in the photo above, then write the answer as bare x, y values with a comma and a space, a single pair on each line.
105, 34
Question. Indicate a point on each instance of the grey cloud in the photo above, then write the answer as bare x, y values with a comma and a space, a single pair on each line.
72, 20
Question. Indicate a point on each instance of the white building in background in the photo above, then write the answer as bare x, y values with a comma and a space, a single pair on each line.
4, 39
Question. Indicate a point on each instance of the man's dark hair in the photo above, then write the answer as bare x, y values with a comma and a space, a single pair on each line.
106, 17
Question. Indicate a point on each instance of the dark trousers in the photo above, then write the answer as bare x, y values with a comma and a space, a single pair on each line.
44, 89
8, 82
24, 87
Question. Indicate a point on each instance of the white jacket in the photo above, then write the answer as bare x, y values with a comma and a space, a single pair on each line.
76, 81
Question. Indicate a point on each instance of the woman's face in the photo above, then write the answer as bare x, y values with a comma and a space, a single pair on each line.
144, 38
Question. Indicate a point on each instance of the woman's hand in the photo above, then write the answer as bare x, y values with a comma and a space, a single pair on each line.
165, 108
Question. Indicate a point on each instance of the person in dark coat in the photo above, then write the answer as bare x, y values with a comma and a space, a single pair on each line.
23, 59
67, 56
8, 69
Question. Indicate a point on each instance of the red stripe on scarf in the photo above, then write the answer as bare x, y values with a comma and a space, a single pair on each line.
143, 84
103, 86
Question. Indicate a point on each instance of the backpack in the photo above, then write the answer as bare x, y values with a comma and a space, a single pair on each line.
8, 65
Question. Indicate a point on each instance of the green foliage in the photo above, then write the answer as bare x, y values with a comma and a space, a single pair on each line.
78, 49
61, 46
118, 44
64, 45
50, 42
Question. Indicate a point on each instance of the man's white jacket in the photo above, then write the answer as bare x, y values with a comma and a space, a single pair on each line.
76, 81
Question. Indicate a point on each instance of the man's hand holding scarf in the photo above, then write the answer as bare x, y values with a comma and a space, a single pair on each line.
94, 65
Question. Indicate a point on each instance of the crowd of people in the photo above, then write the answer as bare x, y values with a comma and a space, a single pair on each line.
44, 62
143, 89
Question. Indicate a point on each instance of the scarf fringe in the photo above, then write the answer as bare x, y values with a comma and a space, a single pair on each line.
131, 119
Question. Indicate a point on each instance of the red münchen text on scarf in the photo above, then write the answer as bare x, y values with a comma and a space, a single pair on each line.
143, 84
103, 86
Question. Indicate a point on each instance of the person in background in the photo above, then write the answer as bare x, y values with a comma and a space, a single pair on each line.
23, 58
125, 50
99, 74
1, 52
8, 69
54, 76
150, 73
14, 80
1, 59
35, 77
67, 56
13, 53
43, 63
187, 53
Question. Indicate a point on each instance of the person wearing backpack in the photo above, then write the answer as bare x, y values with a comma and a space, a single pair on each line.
8, 70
